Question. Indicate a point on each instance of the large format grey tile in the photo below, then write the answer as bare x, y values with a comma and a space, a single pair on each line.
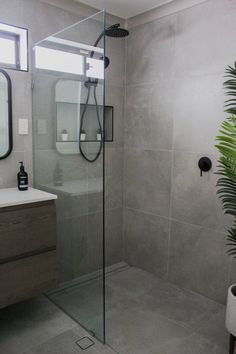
137, 331
44, 111
194, 198
27, 324
131, 283
84, 303
95, 242
147, 179
202, 46
195, 344
73, 167
114, 236
149, 116
12, 12
198, 107
146, 239
50, 19
115, 97
186, 308
151, 48
198, 261
114, 178
65, 343
214, 329
21, 103
115, 50
73, 248
137, 303
153, 294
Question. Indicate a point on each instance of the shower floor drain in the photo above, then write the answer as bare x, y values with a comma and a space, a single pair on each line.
85, 343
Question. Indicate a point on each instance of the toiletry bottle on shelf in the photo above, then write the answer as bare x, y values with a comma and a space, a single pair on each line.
22, 178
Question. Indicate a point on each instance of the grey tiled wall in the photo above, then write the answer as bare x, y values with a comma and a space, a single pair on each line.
174, 225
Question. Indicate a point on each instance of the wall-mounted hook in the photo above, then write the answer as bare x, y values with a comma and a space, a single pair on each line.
204, 164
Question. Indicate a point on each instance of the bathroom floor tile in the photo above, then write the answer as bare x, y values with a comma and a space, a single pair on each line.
213, 329
196, 344
144, 315
66, 343
24, 325
148, 315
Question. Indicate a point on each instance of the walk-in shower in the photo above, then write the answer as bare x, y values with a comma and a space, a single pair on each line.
69, 67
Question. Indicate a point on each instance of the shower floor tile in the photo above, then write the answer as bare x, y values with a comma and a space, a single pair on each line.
66, 343
146, 315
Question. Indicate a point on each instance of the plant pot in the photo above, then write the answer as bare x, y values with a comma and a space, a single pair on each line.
231, 310
64, 137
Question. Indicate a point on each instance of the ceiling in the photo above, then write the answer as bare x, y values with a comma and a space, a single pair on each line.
125, 8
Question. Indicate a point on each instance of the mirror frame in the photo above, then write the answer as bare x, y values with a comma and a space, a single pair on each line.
9, 92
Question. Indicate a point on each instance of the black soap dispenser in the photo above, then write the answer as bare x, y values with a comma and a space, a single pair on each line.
22, 178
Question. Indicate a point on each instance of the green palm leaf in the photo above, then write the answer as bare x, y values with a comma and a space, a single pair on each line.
226, 145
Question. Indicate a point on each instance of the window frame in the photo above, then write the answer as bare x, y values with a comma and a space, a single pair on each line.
16, 37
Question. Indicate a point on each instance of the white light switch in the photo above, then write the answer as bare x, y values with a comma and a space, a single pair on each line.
23, 127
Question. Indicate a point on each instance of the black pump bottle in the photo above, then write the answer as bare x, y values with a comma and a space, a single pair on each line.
22, 178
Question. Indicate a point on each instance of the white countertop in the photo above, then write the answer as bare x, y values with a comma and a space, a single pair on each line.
12, 196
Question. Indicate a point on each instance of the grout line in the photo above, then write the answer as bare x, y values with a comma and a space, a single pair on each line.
140, 18
124, 140
188, 152
187, 75
175, 220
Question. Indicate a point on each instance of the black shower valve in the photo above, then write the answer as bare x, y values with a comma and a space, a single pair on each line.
204, 164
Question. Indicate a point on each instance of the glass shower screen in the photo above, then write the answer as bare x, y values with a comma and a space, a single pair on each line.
68, 106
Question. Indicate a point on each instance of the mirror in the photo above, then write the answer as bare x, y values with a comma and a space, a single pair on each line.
5, 115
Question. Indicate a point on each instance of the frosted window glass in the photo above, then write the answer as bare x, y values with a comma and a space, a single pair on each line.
7, 51
56, 60
10, 38
95, 68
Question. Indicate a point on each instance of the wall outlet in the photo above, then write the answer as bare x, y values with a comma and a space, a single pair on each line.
23, 126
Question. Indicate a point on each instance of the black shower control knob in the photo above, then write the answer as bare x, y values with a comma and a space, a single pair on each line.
204, 164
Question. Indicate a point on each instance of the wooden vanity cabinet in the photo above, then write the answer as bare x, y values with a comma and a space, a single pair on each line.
28, 261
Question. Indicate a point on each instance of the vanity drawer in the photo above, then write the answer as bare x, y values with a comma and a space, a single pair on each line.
27, 277
27, 229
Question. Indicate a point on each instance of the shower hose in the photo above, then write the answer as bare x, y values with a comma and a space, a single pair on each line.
91, 85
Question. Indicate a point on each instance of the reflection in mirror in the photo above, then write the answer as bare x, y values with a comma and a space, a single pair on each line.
5, 115
71, 96
68, 97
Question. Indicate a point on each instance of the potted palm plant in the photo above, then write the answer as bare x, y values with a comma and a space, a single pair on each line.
226, 145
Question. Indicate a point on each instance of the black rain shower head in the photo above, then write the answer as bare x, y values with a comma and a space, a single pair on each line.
116, 32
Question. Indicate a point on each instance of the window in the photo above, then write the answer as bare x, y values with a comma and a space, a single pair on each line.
56, 60
13, 47
69, 57
95, 68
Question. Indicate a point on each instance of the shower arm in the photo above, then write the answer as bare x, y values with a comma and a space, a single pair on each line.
99, 38
91, 82
96, 43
